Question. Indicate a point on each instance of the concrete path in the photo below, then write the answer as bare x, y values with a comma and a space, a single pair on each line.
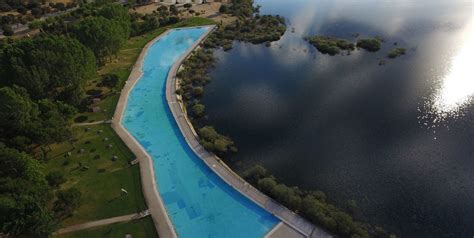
92, 123
102, 222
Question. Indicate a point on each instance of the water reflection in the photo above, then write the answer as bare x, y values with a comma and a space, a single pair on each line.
354, 129
457, 88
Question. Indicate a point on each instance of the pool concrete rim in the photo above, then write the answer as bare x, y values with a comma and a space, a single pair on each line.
150, 187
152, 196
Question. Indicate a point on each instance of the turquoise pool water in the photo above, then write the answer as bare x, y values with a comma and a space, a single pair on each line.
199, 203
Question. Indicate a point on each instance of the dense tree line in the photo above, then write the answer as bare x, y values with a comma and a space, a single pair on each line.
53, 67
313, 205
42, 84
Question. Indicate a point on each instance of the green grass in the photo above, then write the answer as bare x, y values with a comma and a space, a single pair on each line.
101, 190
143, 228
123, 64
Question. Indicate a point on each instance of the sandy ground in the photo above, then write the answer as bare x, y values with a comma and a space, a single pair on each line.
207, 10
211, 11
146, 9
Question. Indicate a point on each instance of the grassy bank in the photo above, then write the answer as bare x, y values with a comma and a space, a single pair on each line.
87, 164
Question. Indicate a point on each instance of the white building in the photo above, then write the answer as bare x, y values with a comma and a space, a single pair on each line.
182, 1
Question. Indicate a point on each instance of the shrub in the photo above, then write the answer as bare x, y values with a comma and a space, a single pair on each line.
396, 53
198, 91
109, 80
55, 178
67, 201
312, 205
198, 110
7, 30
369, 44
80, 119
223, 8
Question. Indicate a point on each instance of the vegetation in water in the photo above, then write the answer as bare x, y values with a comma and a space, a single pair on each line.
194, 74
258, 29
396, 53
314, 206
369, 44
330, 45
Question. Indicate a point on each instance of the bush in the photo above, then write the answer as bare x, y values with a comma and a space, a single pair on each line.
187, 5
55, 178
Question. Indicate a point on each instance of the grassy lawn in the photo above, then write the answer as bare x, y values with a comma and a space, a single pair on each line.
123, 64
143, 228
102, 180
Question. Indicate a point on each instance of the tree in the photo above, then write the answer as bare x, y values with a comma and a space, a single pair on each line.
117, 12
103, 36
67, 201
18, 115
208, 133
24, 195
54, 67
23, 122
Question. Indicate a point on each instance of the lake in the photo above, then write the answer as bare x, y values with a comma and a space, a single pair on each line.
397, 138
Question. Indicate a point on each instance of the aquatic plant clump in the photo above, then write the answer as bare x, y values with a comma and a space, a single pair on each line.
369, 44
330, 45
256, 30
396, 53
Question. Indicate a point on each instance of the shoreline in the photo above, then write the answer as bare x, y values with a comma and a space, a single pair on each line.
286, 216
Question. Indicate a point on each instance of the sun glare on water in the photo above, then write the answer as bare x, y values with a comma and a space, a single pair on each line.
457, 88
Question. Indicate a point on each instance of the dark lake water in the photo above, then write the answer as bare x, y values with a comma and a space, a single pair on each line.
398, 138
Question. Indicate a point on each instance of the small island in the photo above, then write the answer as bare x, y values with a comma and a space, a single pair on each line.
369, 44
330, 45
396, 53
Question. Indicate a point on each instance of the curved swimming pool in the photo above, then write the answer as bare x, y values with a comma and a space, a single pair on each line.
198, 202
